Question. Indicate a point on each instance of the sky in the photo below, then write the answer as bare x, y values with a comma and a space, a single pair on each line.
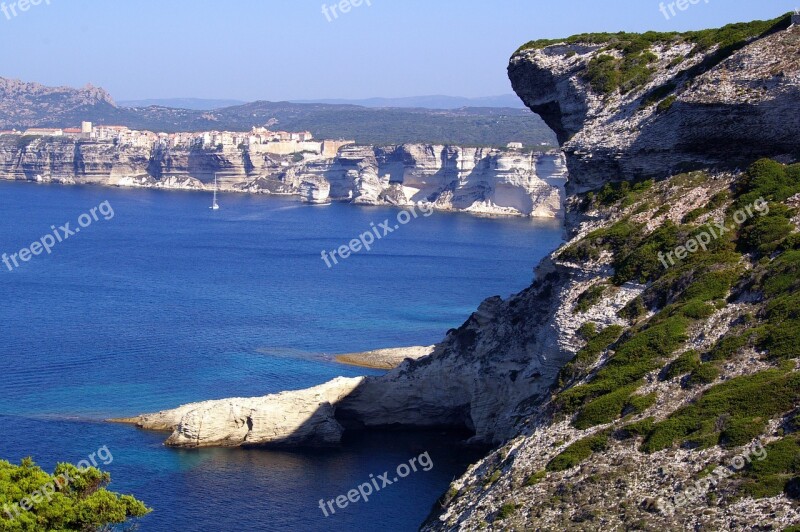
292, 50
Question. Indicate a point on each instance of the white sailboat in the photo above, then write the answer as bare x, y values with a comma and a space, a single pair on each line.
214, 204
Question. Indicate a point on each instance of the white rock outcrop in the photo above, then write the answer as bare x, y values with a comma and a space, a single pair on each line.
291, 419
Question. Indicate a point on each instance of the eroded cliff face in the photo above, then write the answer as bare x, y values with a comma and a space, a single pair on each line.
602, 463
695, 111
477, 180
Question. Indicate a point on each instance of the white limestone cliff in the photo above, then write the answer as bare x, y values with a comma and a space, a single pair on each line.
484, 181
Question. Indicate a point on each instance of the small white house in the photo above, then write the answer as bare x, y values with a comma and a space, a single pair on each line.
515, 146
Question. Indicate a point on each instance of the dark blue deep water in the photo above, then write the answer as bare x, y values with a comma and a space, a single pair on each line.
169, 302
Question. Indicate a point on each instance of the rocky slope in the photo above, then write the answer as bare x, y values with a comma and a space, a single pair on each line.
625, 392
677, 412
477, 180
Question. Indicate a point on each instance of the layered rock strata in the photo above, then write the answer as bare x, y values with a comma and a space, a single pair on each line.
476, 180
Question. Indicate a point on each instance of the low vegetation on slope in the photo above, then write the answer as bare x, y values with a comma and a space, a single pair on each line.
625, 61
702, 365
756, 260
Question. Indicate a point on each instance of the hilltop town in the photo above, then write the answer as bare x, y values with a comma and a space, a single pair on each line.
259, 139
484, 180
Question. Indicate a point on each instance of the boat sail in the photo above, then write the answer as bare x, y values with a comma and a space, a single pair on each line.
214, 204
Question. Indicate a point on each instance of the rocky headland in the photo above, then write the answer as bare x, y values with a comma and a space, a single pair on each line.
613, 384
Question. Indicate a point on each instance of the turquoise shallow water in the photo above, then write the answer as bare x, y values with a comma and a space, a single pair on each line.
169, 302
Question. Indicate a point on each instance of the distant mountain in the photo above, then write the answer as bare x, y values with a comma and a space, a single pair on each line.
196, 104
429, 102
24, 105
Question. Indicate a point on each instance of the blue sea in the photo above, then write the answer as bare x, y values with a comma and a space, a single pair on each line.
169, 302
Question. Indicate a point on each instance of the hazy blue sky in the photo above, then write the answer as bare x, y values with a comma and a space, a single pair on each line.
287, 49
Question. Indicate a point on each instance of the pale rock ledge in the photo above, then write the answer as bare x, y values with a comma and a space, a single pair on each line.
291, 419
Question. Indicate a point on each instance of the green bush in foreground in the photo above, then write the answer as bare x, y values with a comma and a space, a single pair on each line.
80, 504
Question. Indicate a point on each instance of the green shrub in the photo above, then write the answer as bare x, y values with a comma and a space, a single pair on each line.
741, 431
639, 403
781, 340
686, 363
659, 93
694, 214
578, 452
536, 478
586, 357
783, 274
639, 428
770, 477
676, 61
792, 242
704, 374
602, 340
633, 310
728, 346
82, 504
769, 180
588, 330
604, 409
766, 234
697, 309
603, 73
711, 285
606, 73
718, 200
506, 511
667, 103
764, 487
590, 297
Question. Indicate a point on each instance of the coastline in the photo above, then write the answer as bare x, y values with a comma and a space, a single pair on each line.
558, 217
384, 358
